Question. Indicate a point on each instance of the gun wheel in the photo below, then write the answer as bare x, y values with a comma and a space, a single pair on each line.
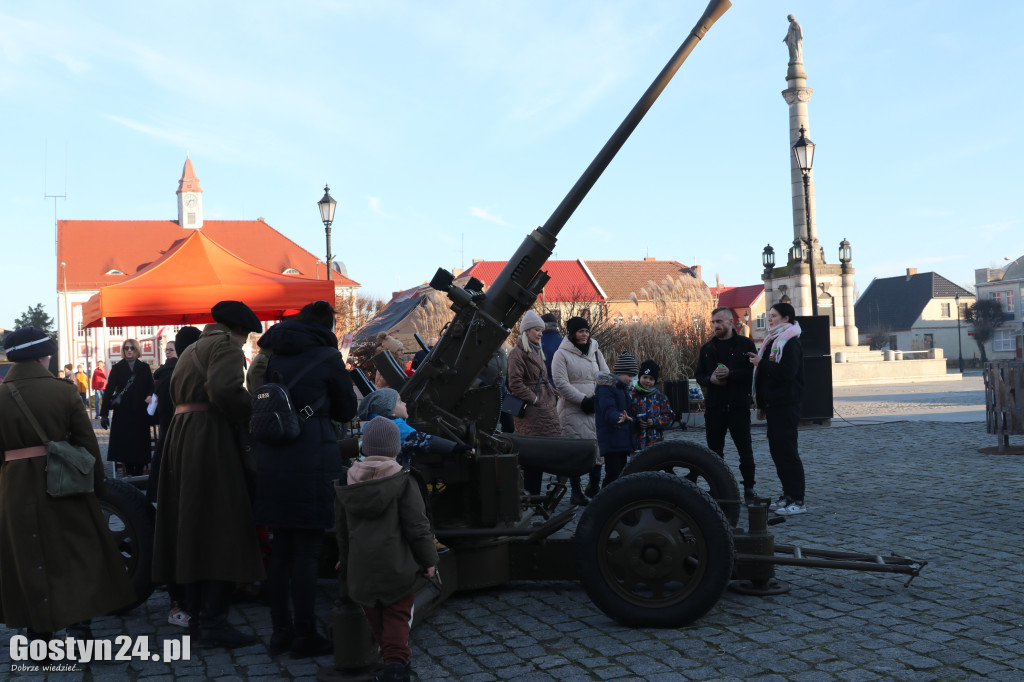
654, 550
696, 464
129, 518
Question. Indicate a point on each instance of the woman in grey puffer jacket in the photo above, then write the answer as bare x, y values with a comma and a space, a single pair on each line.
573, 369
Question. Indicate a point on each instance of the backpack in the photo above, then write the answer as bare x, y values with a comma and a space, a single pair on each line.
274, 418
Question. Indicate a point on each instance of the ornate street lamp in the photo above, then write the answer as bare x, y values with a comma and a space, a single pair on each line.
327, 205
845, 253
803, 150
959, 343
768, 259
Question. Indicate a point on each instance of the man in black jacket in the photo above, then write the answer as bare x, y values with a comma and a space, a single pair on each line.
724, 371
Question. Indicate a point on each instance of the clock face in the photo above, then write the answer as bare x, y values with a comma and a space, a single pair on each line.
190, 200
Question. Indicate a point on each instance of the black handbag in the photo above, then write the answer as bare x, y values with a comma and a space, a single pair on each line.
69, 467
516, 407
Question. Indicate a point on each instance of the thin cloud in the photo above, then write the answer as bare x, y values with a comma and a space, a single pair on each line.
152, 131
74, 65
374, 203
484, 214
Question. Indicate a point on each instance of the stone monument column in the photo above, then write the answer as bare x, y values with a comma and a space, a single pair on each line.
852, 335
797, 95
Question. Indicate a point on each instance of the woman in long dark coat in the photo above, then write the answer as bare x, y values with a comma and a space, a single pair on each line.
59, 565
528, 381
131, 379
294, 490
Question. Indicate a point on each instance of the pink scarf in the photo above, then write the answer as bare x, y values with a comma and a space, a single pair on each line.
778, 334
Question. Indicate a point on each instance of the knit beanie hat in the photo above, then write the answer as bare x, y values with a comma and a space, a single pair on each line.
381, 438
650, 368
550, 321
626, 364
573, 325
380, 402
531, 320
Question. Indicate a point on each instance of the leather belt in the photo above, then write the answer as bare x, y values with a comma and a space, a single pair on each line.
25, 453
191, 407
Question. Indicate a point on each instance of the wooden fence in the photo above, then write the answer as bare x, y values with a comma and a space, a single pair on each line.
1004, 399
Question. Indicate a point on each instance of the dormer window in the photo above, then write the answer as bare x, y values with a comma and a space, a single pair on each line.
114, 271
290, 271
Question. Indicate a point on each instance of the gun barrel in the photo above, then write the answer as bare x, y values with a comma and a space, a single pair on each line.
572, 200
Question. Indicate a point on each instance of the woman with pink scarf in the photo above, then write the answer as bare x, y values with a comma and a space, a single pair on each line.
778, 389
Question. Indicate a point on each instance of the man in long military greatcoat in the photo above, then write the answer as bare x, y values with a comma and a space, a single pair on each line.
59, 566
205, 537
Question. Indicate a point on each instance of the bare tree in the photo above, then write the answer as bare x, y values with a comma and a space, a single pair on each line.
354, 312
986, 314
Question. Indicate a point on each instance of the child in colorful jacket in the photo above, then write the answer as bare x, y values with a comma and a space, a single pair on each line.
650, 407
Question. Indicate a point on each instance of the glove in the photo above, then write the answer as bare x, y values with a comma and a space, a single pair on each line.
587, 405
104, 423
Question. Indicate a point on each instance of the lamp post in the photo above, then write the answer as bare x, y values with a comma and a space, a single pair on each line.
327, 205
803, 150
959, 342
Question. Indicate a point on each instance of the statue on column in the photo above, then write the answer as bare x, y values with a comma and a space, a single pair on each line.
795, 41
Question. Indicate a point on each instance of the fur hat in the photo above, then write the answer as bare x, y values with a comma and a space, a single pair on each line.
28, 343
381, 438
573, 325
650, 368
390, 343
531, 320
381, 402
236, 314
626, 364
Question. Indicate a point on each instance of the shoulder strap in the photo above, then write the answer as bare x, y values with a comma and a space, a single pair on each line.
16, 394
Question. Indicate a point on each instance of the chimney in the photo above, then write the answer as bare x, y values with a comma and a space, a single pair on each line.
696, 272
911, 272
647, 259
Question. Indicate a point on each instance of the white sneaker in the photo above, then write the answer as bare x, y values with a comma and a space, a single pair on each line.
780, 503
792, 509
178, 617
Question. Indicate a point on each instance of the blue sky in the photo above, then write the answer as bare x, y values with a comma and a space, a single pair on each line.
448, 130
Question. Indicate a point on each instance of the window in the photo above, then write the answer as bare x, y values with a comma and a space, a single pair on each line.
290, 271
1005, 299
80, 330
147, 331
944, 309
617, 319
1004, 340
117, 331
637, 318
114, 271
761, 322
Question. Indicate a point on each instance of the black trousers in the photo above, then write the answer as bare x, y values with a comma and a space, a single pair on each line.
614, 463
291, 580
735, 420
782, 443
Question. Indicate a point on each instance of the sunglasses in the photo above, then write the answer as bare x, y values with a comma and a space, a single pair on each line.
130, 348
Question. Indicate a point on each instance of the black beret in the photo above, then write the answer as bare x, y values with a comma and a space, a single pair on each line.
236, 314
28, 343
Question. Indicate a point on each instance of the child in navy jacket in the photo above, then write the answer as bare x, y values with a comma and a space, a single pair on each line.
613, 416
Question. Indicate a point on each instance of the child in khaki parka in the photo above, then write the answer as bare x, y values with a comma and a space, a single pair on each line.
384, 542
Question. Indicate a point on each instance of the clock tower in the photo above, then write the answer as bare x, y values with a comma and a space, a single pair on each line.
190, 198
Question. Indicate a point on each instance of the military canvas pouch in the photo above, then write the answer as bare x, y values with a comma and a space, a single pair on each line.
68, 469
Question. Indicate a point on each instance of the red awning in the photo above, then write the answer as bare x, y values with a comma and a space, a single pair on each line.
196, 273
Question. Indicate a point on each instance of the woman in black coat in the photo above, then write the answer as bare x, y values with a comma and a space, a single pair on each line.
129, 383
294, 494
778, 389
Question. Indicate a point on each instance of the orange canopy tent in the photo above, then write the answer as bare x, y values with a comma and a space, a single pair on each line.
182, 286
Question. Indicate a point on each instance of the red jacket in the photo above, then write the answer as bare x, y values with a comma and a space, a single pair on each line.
99, 379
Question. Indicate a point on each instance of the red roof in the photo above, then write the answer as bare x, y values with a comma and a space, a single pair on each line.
92, 248
620, 278
738, 297
569, 280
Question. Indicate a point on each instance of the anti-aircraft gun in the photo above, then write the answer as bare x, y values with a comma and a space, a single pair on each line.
653, 549
660, 556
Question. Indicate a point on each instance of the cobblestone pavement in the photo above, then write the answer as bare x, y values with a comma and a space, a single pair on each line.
916, 488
